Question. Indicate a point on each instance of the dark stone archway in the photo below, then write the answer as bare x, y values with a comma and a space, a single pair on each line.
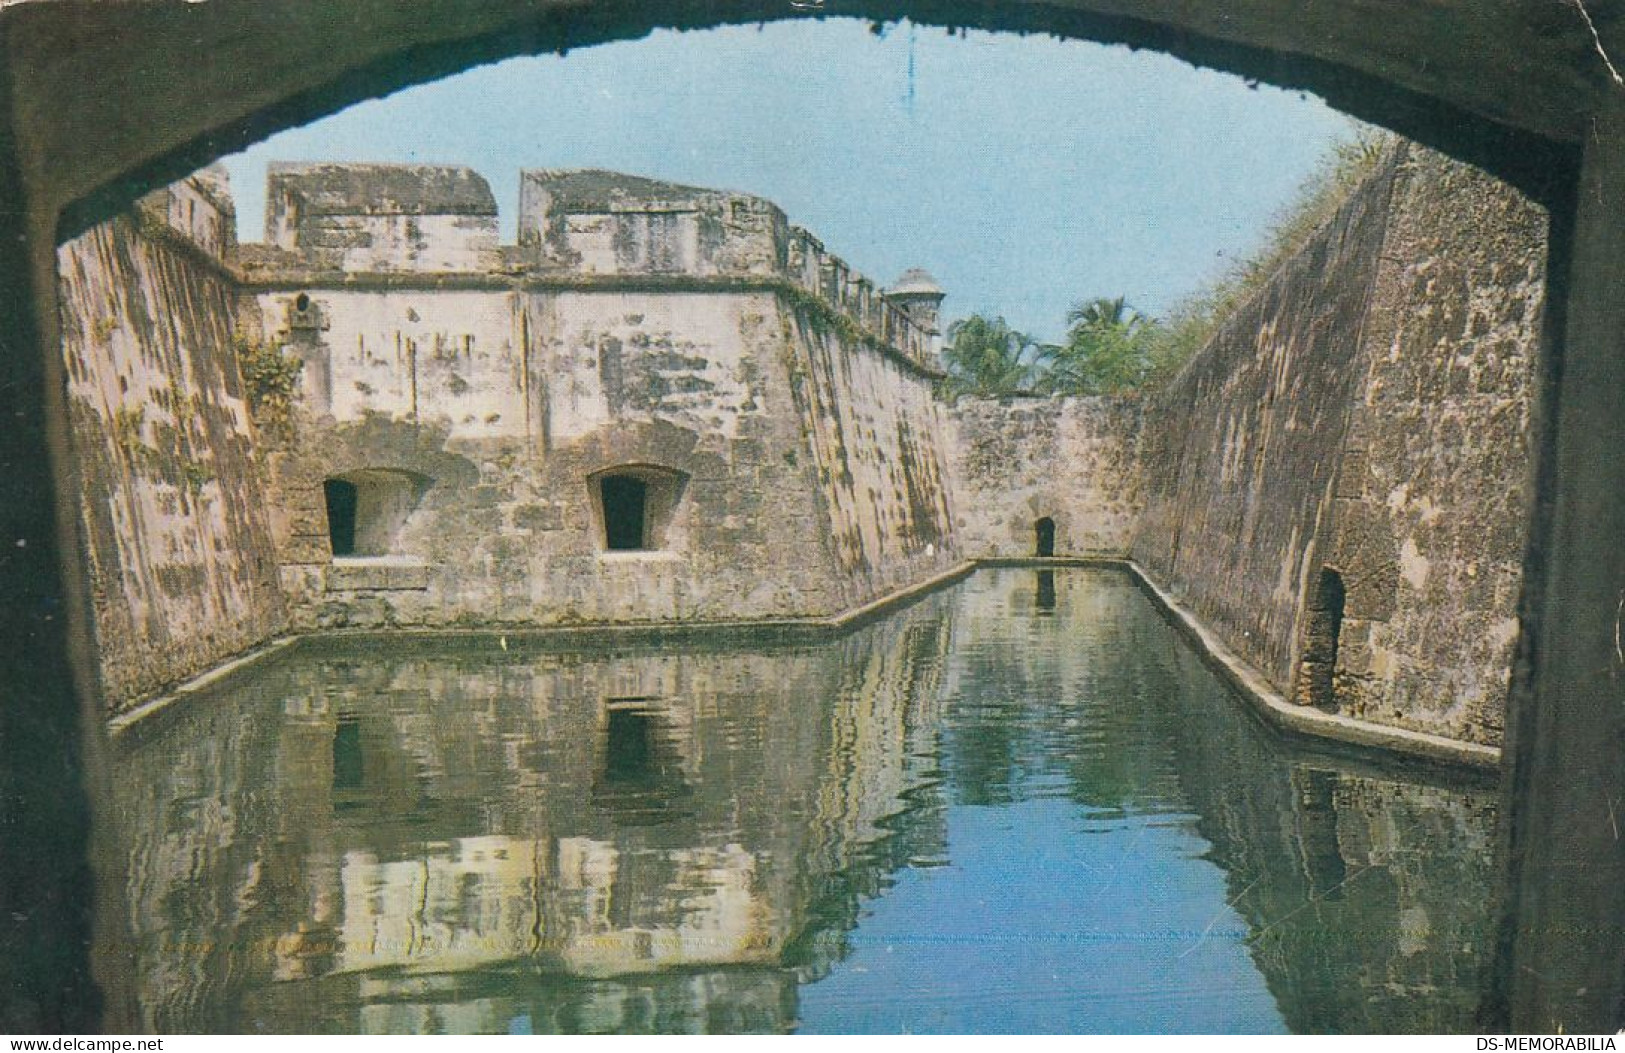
1044, 537
101, 101
119, 98
1318, 663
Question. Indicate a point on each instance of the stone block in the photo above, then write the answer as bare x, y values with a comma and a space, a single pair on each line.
349, 576
307, 521
306, 549
539, 517
408, 576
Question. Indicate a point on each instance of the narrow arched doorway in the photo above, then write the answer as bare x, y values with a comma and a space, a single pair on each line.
1322, 628
1045, 531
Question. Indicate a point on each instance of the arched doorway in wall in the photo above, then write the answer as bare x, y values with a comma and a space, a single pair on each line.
1322, 631
1044, 537
340, 496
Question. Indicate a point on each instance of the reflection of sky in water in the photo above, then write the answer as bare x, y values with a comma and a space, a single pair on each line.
1076, 893
1018, 805
1042, 924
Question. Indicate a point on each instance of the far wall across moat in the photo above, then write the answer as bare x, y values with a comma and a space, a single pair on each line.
670, 405
109, 101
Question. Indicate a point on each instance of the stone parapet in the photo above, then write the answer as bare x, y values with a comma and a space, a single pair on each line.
375, 217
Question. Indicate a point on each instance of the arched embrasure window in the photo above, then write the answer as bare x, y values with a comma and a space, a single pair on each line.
367, 508
635, 504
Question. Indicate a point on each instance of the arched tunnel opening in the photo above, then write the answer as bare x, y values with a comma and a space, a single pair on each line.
1044, 537
1547, 169
1322, 631
367, 509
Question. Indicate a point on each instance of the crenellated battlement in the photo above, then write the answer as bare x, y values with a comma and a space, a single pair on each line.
197, 211
361, 218
354, 224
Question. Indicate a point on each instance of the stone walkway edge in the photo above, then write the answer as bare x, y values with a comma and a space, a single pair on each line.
1306, 720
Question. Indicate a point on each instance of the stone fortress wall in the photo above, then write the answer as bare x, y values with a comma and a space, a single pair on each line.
1336, 485
775, 410
663, 404
181, 563
1021, 461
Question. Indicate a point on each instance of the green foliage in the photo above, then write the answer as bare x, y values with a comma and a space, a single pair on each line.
1107, 351
196, 476
151, 222
272, 382
1110, 348
129, 433
987, 357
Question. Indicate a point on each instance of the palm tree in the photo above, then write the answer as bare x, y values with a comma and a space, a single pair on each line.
1108, 350
987, 357
1101, 312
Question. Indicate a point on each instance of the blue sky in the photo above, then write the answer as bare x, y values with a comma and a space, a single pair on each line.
1025, 173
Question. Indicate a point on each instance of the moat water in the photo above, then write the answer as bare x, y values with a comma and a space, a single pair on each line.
1021, 804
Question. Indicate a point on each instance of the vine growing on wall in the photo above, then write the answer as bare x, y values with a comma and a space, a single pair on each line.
271, 381
196, 475
825, 320
129, 433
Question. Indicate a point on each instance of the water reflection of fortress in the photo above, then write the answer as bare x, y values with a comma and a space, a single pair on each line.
594, 818
645, 841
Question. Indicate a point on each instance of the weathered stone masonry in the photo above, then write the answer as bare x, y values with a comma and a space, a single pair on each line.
773, 409
667, 404
1022, 462
1349, 503
1338, 483
181, 561
663, 404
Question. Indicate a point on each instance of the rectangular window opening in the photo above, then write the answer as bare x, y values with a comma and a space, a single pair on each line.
341, 507
625, 502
